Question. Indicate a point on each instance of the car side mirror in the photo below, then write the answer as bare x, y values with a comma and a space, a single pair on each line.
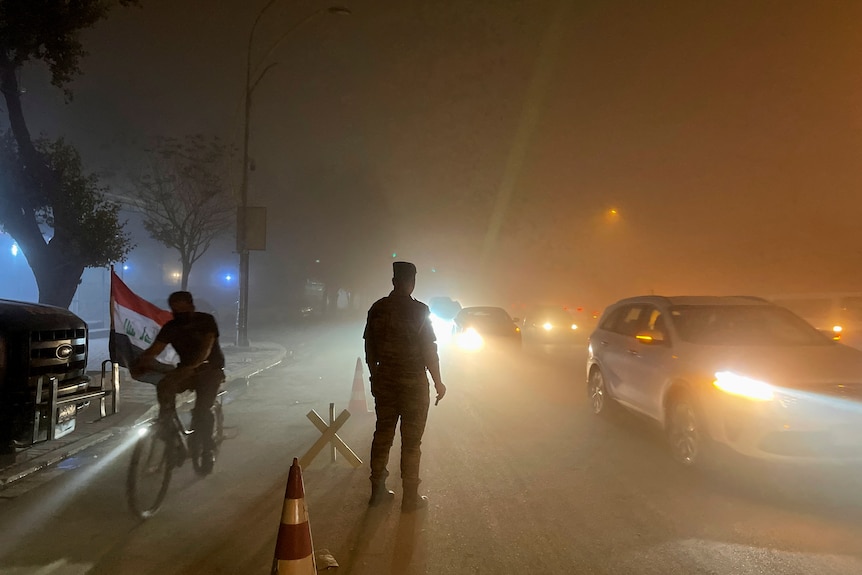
650, 337
831, 334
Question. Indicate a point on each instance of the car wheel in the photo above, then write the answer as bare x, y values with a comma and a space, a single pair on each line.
686, 435
597, 393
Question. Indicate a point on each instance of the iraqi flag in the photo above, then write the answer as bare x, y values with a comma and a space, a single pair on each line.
135, 322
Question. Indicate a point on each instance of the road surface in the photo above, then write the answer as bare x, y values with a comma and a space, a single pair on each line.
521, 477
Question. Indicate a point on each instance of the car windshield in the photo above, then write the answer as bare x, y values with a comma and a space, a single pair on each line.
743, 325
555, 316
485, 316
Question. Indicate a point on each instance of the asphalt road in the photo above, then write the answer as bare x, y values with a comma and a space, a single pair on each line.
521, 479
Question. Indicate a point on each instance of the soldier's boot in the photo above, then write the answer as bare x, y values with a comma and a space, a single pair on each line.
380, 494
412, 501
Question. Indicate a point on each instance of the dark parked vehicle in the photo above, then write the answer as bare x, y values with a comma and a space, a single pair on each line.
737, 372
43, 380
476, 328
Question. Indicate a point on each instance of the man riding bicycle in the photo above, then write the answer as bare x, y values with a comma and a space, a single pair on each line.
194, 336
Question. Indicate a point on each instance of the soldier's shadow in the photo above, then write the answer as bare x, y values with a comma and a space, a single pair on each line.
409, 547
364, 534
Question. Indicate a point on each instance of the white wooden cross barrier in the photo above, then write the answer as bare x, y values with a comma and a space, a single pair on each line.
330, 436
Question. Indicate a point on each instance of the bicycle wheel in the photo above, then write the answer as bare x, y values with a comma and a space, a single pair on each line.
149, 473
218, 436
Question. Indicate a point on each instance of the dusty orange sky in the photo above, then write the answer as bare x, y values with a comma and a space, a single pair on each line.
487, 140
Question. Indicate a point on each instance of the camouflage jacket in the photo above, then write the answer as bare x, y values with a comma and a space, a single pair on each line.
399, 338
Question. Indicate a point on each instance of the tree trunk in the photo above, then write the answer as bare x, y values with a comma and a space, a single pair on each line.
58, 288
56, 276
12, 94
187, 269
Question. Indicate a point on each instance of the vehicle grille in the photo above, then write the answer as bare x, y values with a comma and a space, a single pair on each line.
60, 353
50, 335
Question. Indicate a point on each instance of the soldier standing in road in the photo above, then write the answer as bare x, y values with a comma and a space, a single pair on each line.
399, 346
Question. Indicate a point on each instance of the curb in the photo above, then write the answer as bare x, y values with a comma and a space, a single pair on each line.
252, 371
56, 456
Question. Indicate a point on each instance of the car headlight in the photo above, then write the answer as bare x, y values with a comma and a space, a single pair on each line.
736, 384
574, 326
547, 325
470, 340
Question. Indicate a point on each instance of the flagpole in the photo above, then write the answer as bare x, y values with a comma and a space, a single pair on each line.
111, 299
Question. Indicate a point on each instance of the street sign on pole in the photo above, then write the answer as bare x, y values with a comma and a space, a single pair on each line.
251, 228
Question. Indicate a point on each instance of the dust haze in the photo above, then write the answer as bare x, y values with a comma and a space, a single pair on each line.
517, 152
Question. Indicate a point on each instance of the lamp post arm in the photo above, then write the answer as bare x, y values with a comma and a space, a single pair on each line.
251, 34
261, 75
249, 88
281, 39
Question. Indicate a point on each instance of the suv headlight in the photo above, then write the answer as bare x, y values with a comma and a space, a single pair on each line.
736, 384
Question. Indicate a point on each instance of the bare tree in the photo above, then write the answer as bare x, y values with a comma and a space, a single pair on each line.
185, 196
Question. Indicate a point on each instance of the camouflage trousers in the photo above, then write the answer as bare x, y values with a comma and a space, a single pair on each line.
407, 399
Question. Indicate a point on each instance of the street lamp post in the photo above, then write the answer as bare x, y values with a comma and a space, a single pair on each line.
252, 79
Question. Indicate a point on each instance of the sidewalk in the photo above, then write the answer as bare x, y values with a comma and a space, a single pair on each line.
137, 404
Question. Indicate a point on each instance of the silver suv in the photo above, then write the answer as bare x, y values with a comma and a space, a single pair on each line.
733, 371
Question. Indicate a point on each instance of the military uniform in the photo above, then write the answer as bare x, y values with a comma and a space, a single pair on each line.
399, 344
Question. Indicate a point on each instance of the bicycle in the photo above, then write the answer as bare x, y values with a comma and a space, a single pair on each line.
162, 446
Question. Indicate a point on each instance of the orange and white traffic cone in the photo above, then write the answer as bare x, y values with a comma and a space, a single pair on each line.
358, 402
294, 551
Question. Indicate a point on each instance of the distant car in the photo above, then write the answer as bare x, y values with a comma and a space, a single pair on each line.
444, 307
478, 327
443, 311
550, 325
586, 319
737, 372
837, 314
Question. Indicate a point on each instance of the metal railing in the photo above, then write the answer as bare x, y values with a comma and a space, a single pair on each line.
53, 402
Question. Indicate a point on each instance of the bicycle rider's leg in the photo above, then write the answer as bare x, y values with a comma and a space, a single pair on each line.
166, 392
206, 390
